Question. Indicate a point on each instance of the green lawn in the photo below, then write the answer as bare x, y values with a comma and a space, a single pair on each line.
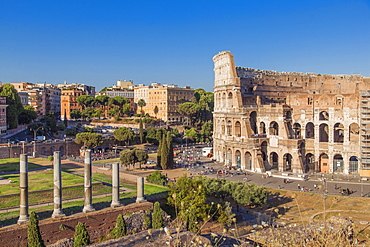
106, 161
153, 189
12, 165
48, 196
38, 180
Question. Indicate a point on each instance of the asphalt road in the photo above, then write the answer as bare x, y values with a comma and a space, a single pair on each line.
359, 188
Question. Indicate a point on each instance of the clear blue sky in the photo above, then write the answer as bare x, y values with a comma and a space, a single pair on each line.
100, 42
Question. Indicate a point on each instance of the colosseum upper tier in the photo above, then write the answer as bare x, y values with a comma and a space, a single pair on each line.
288, 121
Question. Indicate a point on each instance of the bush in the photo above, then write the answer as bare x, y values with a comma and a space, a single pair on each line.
50, 158
33, 232
156, 178
157, 217
120, 229
81, 237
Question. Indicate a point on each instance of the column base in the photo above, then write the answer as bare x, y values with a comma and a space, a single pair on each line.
58, 214
88, 209
115, 204
23, 219
140, 200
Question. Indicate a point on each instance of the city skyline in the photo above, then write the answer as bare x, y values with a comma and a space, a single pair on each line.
173, 42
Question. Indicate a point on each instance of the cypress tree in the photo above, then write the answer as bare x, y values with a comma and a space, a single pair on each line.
164, 149
159, 154
81, 237
33, 232
120, 229
65, 118
170, 149
141, 131
157, 217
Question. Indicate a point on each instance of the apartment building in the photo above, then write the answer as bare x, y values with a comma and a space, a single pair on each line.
162, 100
44, 98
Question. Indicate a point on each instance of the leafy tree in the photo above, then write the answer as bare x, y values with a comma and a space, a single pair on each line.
189, 195
14, 105
71, 132
127, 157
141, 103
141, 156
104, 89
119, 101
75, 114
120, 229
89, 140
206, 132
27, 115
192, 134
33, 232
156, 178
192, 222
103, 101
127, 109
97, 113
151, 135
61, 127
157, 217
114, 112
50, 122
249, 194
81, 237
225, 216
88, 112
85, 100
124, 134
190, 110
141, 131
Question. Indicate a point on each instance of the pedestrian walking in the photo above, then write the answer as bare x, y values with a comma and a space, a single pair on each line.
298, 186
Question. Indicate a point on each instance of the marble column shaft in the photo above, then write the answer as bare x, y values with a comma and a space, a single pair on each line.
57, 186
115, 185
23, 185
140, 190
88, 183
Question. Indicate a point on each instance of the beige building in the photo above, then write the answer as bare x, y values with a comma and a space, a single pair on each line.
164, 98
291, 122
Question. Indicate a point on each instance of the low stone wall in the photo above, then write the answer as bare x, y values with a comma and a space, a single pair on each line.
98, 224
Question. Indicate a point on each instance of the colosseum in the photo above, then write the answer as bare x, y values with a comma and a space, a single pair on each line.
290, 122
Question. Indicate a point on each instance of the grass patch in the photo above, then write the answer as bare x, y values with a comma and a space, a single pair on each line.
47, 196
39, 180
106, 161
153, 189
108, 179
12, 165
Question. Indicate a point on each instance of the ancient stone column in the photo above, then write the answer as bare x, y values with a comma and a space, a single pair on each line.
140, 190
23, 185
88, 183
57, 186
115, 185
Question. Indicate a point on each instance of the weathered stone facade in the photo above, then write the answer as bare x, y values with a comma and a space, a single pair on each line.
287, 121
